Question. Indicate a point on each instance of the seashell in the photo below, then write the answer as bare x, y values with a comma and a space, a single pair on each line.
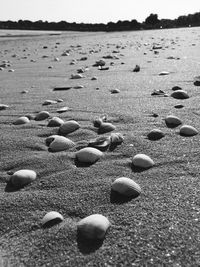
22, 177
97, 122
64, 88
56, 59
142, 161
58, 143
78, 87
136, 69
175, 88
59, 100
76, 76
69, 127
88, 155
163, 73
24, 91
63, 109
100, 143
100, 62
55, 122
3, 106
172, 121
42, 115
126, 187
155, 134
94, 78
180, 94
52, 216
179, 106
21, 120
49, 102
106, 127
94, 226
188, 130
11, 70
116, 138
115, 91
197, 81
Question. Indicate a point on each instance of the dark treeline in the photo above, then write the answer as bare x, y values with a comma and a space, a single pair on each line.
151, 22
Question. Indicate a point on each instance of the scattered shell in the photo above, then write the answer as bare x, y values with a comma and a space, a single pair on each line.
58, 143
78, 87
3, 106
55, 122
197, 81
59, 100
69, 127
116, 138
76, 76
52, 216
22, 177
24, 91
136, 69
100, 142
142, 161
179, 106
49, 102
88, 155
42, 115
126, 187
172, 121
164, 73
188, 130
175, 88
106, 127
63, 109
64, 88
155, 134
180, 94
21, 120
94, 226
94, 78
115, 91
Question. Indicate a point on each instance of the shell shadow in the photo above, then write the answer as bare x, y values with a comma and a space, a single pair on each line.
51, 223
79, 164
10, 188
136, 168
116, 198
87, 246
172, 126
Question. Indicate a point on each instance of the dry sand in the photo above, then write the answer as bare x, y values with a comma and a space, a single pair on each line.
161, 226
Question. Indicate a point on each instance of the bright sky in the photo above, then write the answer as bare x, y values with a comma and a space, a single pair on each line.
94, 11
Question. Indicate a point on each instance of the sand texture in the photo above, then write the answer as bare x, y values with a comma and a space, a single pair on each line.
160, 227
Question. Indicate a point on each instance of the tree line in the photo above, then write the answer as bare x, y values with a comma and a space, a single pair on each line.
151, 22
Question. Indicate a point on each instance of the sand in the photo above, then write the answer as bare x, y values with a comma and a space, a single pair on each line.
158, 228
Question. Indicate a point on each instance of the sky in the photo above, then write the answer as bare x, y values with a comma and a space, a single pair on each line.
94, 11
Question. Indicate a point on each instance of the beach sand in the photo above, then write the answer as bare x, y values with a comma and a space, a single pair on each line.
158, 228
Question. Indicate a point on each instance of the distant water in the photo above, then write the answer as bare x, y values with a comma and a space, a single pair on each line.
14, 33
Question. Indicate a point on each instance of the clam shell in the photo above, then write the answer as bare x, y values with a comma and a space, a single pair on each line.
3, 106
126, 187
142, 161
42, 115
76, 76
23, 177
58, 143
155, 134
115, 91
52, 215
106, 127
94, 226
88, 155
188, 130
63, 109
49, 102
180, 94
55, 122
116, 138
164, 73
172, 121
21, 120
69, 127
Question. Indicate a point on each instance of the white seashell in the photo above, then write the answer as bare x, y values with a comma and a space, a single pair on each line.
59, 100
52, 215
126, 187
58, 143
69, 127
115, 91
21, 120
94, 78
78, 87
188, 130
42, 115
49, 102
22, 177
172, 121
94, 226
106, 127
164, 73
56, 59
88, 155
180, 94
63, 109
116, 138
155, 134
76, 76
3, 106
142, 161
54, 122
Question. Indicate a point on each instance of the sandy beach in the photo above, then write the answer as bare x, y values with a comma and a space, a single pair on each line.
160, 227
